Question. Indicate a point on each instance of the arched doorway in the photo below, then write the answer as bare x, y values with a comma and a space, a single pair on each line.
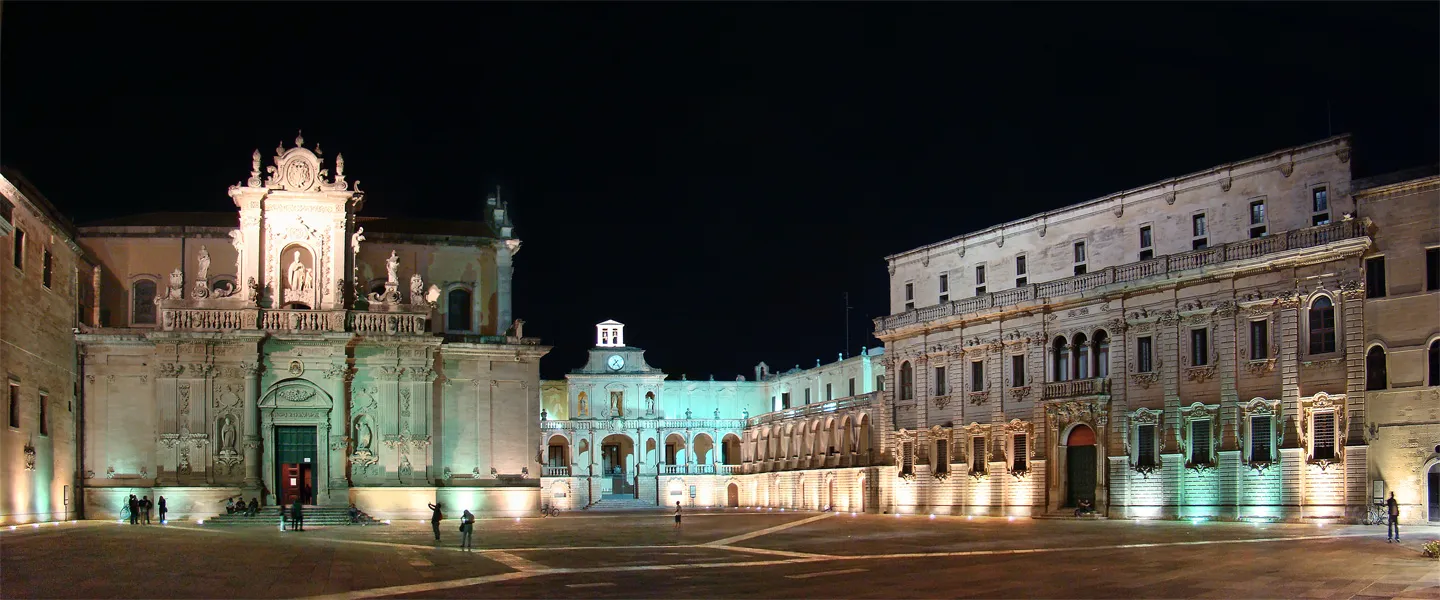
617, 456
1080, 465
732, 499
1432, 491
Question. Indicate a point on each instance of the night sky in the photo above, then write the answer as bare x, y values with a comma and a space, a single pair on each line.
715, 176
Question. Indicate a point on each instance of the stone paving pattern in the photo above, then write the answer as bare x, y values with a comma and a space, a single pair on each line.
724, 555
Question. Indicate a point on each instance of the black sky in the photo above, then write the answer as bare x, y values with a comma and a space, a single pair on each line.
713, 175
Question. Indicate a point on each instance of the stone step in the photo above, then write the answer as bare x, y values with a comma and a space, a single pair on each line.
314, 515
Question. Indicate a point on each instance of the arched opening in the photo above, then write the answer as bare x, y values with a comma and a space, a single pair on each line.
704, 449
557, 456
1375, 376
1082, 356
1322, 326
862, 439
298, 283
831, 497
1060, 356
1102, 354
732, 495
859, 504
142, 302
1432, 490
457, 310
730, 449
674, 450
907, 381
1435, 362
617, 455
1080, 465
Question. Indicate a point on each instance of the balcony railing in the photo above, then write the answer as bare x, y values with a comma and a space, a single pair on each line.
555, 471
1173, 264
185, 316
1076, 388
678, 424
859, 401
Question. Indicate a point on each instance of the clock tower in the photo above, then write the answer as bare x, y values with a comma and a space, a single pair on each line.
615, 382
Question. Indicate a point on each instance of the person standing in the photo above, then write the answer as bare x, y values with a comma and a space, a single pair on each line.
161, 505
297, 516
467, 529
145, 507
435, 519
134, 510
677, 514
1392, 508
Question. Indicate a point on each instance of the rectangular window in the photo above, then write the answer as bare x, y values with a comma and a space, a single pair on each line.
1199, 347
1017, 369
44, 415
977, 455
1432, 269
46, 269
944, 298
1020, 453
1257, 219
1324, 433
979, 280
1200, 441
807, 395
944, 283
785, 400
852, 386
940, 381
1021, 275
19, 235
1145, 446
1260, 434
1143, 353
909, 296
14, 405
977, 376
907, 451
1320, 206
1375, 277
1079, 258
829, 392
1147, 243
1259, 340
1199, 240
942, 456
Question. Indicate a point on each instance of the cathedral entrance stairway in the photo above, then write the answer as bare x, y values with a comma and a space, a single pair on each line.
315, 516
622, 502
1069, 515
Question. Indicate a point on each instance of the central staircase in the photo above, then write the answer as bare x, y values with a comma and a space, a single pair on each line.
621, 502
315, 516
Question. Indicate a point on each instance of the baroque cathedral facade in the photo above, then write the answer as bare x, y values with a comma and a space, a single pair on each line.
1258, 340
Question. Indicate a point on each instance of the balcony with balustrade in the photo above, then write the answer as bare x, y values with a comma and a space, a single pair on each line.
1076, 388
1175, 266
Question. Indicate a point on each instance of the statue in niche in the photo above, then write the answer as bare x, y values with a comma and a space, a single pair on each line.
617, 403
356, 238
237, 239
584, 406
392, 268
297, 273
204, 260
227, 435
363, 435
649, 403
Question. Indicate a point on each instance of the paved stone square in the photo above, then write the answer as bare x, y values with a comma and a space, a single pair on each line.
724, 554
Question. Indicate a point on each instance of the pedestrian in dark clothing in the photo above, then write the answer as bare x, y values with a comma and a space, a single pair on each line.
467, 528
146, 505
254, 507
305, 494
134, 510
161, 505
1392, 509
435, 519
677, 514
297, 516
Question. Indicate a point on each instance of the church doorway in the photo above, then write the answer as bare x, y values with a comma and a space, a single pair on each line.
733, 495
295, 455
1080, 465
616, 453
1432, 480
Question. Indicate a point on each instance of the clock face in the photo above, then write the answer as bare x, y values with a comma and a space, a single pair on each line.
615, 362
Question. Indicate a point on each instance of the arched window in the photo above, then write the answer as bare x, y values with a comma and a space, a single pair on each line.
1060, 356
142, 302
907, 381
1082, 357
1375, 369
1322, 326
1102, 354
1435, 364
457, 310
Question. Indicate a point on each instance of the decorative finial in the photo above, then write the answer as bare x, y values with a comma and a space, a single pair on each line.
279, 147
299, 138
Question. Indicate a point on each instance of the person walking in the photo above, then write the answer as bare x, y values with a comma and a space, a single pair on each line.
435, 519
134, 510
677, 514
297, 516
161, 505
467, 529
1392, 509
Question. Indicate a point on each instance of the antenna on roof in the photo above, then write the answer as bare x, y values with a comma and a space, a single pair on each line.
847, 326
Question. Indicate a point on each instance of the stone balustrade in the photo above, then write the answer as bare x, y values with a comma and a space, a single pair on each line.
1164, 266
858, 401
1074, 388
303, 320
203, 318
208, 319
548, 471
609, 425
389, 323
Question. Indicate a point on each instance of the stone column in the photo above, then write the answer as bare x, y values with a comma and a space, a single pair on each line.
251, 372
505, 267
336, 443
1290, 372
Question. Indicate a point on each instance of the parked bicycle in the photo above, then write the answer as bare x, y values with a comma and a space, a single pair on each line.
549, 511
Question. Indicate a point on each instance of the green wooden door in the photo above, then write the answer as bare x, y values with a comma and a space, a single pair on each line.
1080, 474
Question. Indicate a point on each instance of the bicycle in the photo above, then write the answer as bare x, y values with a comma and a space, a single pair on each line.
549, 511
